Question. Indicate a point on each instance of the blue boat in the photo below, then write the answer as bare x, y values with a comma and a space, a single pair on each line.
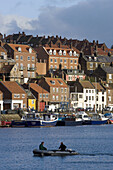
99, 119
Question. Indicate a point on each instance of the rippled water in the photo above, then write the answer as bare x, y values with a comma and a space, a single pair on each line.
94, 144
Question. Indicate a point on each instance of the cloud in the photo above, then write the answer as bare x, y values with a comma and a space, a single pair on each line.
90, 19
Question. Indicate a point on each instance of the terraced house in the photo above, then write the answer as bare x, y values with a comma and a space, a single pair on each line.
25, 58
58, 89
14, 96
56, 58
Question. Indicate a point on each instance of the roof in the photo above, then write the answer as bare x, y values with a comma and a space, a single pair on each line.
47, 49
13, 87
100, 59
6, 69
55, 82
86, 84
37, 88
24, 48
108, 69
98, 86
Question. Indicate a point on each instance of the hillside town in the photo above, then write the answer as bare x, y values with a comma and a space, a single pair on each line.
54, 73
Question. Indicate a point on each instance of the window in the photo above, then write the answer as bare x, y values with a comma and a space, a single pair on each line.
40, 95
61, 90
60, 60
33, 58
55, 67
33, 74
32, 101
46, 95
89, 97
86, 91
16, 95
57, 97
53, 89
108, 91
71, 61
102, 98
55, 60
110, 76
60, 82
65, 98
89, 91
92, 97
43, 95
64, 52
54, 52
57, 89
71, 67
28, 67
61, 97
53, 97
16, 57
28, 74
65, 67
86, 98
91, 65
109, 98
96, 98
51, 66
28, 58
23, 95
52, 82
51, 60
65, 61
65, 90
80, 96
75, 61
21, 57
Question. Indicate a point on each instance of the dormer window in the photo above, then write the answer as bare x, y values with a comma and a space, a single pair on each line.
54, 52
30, 50
64, 53
60, 82
70, 53
74, 53
50, 52
19, 49
52, 82
60, 52
89, 58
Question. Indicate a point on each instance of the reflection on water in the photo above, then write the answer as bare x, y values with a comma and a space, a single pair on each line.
94, 144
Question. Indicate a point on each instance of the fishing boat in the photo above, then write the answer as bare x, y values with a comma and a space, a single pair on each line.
99, 119
86, 120
37, 152
34, 120
70, 120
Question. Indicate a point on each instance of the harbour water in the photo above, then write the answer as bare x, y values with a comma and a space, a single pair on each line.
94, 144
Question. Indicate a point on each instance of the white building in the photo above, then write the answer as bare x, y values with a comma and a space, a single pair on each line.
86, 94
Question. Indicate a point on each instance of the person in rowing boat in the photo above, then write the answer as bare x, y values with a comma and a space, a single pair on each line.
62, 147
41, 147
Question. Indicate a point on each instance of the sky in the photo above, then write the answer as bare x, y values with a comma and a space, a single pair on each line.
76, 19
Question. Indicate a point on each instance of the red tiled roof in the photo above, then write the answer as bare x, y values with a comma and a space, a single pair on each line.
55, 82
24, 48
62, 49
37, 88
13, 87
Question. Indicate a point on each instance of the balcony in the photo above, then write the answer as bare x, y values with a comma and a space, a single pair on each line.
31, 69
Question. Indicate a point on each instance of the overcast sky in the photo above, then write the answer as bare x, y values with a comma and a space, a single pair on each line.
76, 19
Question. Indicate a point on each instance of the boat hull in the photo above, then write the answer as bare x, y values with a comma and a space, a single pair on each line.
33, 123
98, 122
37, 152
73, 123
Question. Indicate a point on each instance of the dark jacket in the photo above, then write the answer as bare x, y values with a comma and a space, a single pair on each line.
62, 147
41, 147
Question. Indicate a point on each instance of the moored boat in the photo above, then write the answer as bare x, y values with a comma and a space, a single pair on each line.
99, 120
34, 120
37, 152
